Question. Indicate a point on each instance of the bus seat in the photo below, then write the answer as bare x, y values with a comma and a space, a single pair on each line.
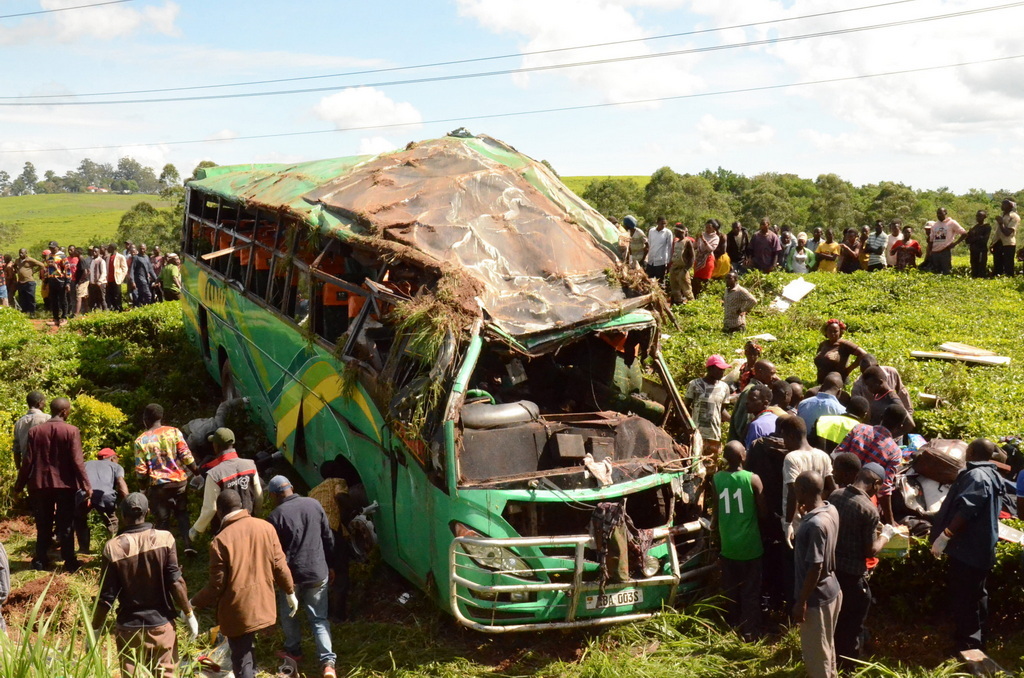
483, 415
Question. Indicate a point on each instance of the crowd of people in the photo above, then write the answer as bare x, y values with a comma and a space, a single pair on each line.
299, 549
805, 502
97, 278
684, 263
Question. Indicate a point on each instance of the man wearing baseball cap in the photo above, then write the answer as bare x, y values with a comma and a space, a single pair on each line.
705, 398
858, 538
308, 543
227, 471
141, 572
107, 479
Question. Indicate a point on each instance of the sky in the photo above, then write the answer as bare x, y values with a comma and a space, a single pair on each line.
718, 101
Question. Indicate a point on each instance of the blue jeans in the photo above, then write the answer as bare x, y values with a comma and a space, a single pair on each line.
313, 601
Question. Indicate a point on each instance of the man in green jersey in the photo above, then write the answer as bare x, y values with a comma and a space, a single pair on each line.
740, 501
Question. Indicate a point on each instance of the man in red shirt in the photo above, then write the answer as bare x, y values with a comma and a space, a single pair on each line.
53, 470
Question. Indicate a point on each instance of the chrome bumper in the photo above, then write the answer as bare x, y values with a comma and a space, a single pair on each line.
461, 564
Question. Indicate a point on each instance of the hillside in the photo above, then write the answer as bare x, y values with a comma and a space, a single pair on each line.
68, 218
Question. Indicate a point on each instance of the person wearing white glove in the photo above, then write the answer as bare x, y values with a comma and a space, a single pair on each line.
965, 530
308, 543
859, 538
246, 562
192, 622
141, 574
293, 603
941, 542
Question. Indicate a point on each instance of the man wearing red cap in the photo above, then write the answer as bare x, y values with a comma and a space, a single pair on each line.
705, 398
108, 486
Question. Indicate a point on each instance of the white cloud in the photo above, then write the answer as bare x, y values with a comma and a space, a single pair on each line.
375, 145
716, 133
94, 23
926, 113
223, 135
365, 107
552, 24
199, 57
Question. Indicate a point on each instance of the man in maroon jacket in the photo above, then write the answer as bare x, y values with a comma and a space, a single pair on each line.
53, 471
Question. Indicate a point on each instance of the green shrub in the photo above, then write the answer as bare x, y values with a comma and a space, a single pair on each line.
916, 585
100, 424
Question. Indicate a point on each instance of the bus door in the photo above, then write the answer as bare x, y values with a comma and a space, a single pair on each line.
412, 492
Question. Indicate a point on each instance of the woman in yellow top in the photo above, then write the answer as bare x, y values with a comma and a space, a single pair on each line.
827, 253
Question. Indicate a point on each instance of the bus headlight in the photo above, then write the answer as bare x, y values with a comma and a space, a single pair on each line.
490, 557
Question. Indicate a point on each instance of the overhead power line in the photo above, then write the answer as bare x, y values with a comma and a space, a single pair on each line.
530, 69
539, 111
62, 9
459, 62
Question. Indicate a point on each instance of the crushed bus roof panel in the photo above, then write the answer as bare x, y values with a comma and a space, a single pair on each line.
540, 256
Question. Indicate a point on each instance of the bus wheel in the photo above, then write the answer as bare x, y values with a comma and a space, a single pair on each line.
228, 390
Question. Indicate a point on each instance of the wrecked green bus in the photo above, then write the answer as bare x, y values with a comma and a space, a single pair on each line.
457, 329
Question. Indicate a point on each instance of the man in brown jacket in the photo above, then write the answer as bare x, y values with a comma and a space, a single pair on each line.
53, 470
246, 560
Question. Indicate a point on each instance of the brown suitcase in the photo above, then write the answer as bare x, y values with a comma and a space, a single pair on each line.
941, 460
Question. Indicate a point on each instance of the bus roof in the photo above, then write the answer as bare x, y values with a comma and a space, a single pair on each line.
538, 255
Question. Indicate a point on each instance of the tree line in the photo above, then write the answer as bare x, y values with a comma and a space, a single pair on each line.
787, 199
128, 176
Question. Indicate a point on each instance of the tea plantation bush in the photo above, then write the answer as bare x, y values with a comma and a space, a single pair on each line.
888, 314
111, 365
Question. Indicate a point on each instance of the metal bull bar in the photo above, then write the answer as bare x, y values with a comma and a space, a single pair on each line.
460, 562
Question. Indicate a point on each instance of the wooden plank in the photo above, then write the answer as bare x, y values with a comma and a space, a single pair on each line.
964, 349
221, 253
946, 355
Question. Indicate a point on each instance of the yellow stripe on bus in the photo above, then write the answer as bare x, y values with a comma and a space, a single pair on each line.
329, 388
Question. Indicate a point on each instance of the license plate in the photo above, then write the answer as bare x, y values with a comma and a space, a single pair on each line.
615, 599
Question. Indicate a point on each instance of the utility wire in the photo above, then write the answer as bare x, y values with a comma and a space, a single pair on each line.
530, 69
459, 62
63, 9
538, 111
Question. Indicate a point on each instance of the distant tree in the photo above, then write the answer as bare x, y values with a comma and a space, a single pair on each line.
169, 176
203, 164
550, 168
727, 181
5, 183
767, 197
688, 199
128, 168
894, 201
28, 178
663, 195
614, 197
94, 174
122, 185
148, 224
834, 206
73, 182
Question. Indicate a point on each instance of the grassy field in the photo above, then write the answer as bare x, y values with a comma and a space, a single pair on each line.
68, 218
888, 314
579, 184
